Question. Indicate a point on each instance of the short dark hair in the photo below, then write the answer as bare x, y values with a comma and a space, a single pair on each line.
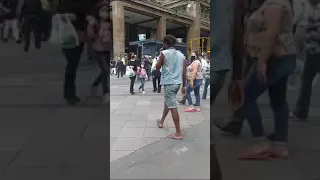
170, 40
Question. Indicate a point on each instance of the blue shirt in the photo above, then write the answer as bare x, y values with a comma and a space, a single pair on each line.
172, 67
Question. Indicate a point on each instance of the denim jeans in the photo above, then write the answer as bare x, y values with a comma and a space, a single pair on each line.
196, 89
310, 70
205, 88
103, 77
142, 80
278, 71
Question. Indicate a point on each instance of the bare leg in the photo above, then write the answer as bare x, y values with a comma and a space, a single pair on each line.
164, 114
176, 121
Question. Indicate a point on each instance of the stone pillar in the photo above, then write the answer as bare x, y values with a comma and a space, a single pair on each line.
162, 28
194, 10
118, 28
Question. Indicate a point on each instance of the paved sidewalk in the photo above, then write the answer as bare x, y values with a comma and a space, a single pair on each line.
133, 117
42, 138
188, 159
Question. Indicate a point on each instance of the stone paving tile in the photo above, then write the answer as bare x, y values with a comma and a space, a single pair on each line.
114, 155
135, 124
131, 132
127, 144
148, 141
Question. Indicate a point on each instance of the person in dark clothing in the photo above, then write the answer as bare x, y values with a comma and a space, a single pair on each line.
46, 20
11, 20
133, 63
76, 9
119, 68
156, 76
30, 16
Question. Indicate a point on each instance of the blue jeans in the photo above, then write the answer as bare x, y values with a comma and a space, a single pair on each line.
103, 78
142, 80
278, 71
196, 88
205, 88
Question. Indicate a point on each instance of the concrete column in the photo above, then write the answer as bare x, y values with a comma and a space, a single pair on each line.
162, 28
194, 10
118, 29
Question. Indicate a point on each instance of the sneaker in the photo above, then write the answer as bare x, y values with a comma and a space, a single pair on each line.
19, 41
143, 92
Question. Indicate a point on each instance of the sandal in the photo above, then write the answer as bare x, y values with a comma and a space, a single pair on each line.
255, 153
173, 136
196, 109
190, 109
159, 124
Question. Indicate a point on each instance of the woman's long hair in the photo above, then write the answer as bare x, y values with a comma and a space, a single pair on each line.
130, 55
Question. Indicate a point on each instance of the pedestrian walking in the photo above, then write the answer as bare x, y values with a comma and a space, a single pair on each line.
76, 12
156, 76
11, 23
192, 57
195, 78
206, 74
312, 64
46, 19
133, 67
31, 13
120, 67
99, 33
270, 71
142, 73
173, 75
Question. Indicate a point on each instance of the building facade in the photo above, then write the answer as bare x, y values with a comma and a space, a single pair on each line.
187, 20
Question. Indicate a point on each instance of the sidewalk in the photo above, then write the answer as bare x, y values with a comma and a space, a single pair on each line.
42, 138
169, 159
188, 159
133, 117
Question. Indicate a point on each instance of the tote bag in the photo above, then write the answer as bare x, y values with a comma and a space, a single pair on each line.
67, 33
63, 32
129, 72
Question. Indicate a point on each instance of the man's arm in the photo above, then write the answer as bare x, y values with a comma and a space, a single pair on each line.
160, 61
